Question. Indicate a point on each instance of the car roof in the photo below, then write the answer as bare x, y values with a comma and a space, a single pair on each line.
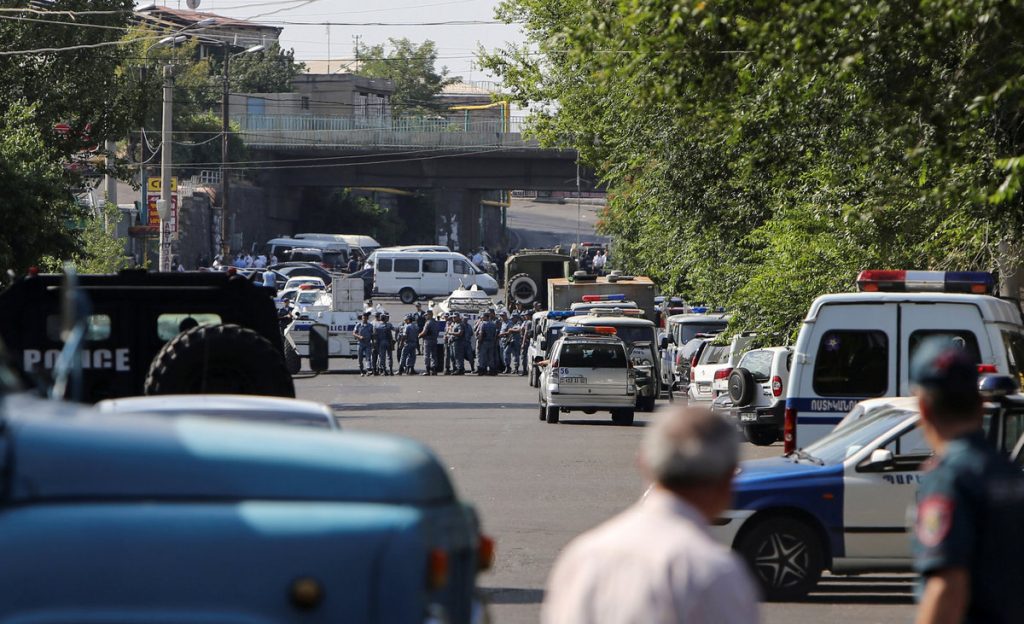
199, 402
596, 338
992, 308
690, 317
628, 321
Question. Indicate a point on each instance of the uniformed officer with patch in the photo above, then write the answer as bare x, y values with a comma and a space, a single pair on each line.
364, 334
969, 524
430, 333
409, 339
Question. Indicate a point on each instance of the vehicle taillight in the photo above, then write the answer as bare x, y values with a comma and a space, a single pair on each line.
485, 553
437, 568
693, 362
777, 386
679, 359
722, 374
789, 431
987, 368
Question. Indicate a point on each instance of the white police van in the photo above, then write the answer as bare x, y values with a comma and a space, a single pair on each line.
856, 346
841, 504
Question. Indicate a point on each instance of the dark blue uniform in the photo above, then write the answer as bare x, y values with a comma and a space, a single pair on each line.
970, 514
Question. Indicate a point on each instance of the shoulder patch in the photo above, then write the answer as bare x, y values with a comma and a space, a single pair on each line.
934, 519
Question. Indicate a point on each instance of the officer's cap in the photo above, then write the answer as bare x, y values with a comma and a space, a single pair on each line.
408, 317
943, 364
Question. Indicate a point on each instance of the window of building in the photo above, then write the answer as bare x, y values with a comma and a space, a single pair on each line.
852, 363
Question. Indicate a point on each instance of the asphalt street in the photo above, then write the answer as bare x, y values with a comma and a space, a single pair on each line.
536, 486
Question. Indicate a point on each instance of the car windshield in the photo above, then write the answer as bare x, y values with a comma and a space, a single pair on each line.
842, 443
690, 330
309, 296
630, 334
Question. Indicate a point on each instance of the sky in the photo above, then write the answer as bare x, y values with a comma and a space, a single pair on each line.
456, 43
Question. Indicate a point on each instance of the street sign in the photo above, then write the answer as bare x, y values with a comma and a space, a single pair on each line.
153, 187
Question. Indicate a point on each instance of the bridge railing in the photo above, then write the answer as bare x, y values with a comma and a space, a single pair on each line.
308, 131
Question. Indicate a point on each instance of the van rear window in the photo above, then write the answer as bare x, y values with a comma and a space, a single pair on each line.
852, 363
961, 338
591, 356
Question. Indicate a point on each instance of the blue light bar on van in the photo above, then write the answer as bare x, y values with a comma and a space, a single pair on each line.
560, 314
616, 297
698, 309
977, 282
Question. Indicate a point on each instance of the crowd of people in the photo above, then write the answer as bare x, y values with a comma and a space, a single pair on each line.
450, 344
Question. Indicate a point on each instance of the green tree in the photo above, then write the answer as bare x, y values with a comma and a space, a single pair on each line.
100, 250
759, 153
37, 209
268, 71
413, 69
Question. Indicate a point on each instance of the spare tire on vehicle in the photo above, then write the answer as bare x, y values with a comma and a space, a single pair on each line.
741, 387
522, 289
219, 359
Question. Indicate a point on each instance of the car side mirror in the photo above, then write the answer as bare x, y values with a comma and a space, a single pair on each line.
318, 352
879, 461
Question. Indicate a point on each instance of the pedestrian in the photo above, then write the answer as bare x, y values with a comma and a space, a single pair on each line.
527, 337
383, 338
269, 280
353, 263
600, 260
513, 342
409, 340
457, 345
486, 335
504, 327
429, 334
420, 318
260, 262
468, 351
656, 562
248, 260
968, 543
273, 259
363, 333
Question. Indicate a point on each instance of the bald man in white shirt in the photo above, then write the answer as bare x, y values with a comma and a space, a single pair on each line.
656, 562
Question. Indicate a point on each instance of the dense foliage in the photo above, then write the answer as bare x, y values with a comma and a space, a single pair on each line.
759, 153
413, 69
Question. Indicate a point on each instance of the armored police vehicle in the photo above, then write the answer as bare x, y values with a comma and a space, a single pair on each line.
343, 306
153, 333
528, 271
857, 346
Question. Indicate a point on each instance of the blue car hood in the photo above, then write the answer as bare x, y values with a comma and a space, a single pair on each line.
757, 473
57, 451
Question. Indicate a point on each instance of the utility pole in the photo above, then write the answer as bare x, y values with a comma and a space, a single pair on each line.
578, 194
225, 244
164, 205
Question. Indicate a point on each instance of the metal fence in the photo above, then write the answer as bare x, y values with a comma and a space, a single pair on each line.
452, 132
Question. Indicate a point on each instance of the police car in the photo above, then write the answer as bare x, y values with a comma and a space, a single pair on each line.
589, 371
841, 503
548, 327
856, 346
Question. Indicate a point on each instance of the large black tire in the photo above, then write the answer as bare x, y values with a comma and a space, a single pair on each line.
551, 414
741, 387
786, 556
623, 417
219, 359
645, 403
292, 361
761, 435
522, 288
407, 296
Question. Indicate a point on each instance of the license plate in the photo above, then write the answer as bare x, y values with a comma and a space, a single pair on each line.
574, 380
748, 417
704, 387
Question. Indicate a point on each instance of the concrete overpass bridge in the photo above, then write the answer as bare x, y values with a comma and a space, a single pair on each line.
460, 162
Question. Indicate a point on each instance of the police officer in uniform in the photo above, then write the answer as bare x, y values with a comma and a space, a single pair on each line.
458, 345
968, 537
468, 340
409, 338
420, 318
363, 332
486, 334
386, 338
429, 334
513, 343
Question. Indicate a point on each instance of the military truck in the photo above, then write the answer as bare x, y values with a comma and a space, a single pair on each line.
528, 271
141, 518
152, 333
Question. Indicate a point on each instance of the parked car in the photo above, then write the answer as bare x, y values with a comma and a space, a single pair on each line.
302, 269
588, 371
229, 406
840, 504
411, 275
757, 388
709, 377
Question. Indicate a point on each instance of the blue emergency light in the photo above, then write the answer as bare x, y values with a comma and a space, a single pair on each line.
699, 309
593, 298
561, 314
976, 282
